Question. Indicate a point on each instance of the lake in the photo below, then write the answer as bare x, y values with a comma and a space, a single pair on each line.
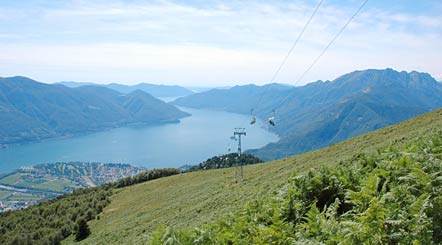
205, 134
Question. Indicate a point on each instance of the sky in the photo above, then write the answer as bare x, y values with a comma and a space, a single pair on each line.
214, 43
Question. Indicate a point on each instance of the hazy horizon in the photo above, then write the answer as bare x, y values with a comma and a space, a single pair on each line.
206, 86
213, 43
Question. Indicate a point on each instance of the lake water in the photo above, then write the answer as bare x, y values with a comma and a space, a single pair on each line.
205, 134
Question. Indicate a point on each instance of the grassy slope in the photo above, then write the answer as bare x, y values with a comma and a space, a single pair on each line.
193, 198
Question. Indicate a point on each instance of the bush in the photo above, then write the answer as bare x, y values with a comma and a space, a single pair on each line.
226, 161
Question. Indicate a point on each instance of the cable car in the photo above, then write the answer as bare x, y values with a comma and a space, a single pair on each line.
253, 120
271, 119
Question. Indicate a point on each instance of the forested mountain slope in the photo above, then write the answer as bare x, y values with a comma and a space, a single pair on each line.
32, 111
322, 113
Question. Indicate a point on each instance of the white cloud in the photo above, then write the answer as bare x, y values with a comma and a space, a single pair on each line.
152, 62
227, 42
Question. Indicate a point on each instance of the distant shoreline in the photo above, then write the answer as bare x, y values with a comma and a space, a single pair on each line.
104, 129
168, 144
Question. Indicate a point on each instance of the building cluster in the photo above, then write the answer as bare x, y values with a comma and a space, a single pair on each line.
15, 205
79, 175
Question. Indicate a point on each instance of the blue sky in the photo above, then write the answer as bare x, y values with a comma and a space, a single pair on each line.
213, 43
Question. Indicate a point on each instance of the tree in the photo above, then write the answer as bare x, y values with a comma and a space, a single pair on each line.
82, 230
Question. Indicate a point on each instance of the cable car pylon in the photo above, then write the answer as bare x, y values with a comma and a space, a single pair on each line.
240, 132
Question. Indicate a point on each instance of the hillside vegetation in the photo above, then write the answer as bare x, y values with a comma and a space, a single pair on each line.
391, 197
323, 113
189, 200
225, 161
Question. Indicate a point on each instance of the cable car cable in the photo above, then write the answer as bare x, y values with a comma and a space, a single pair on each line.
326, 48
331, 42
286, 57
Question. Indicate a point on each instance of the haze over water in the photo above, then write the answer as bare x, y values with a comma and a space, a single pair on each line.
205, 134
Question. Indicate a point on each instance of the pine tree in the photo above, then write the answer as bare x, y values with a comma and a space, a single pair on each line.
82, 230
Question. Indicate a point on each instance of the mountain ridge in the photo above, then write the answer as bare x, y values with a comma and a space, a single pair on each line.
34, 111
324, 112
155, 90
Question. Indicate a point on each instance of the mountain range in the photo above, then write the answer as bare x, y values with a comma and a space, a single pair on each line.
153, 89
33, 111
323, 113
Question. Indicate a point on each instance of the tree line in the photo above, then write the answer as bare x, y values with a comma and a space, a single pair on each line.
225, 161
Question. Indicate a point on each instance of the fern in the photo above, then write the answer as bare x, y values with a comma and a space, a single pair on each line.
392, 197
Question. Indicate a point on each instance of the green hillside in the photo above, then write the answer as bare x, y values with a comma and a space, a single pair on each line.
389, 197
191, 199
